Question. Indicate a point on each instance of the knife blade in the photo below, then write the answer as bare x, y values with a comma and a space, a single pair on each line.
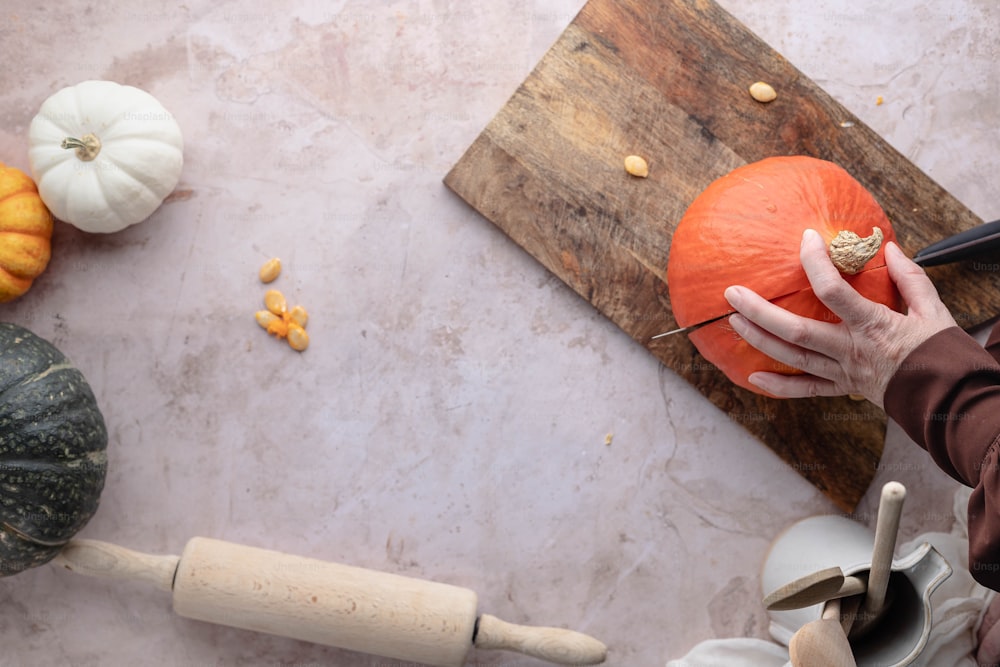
692, 327
970, 243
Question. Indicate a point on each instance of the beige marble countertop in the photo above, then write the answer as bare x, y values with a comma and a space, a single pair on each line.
450, 418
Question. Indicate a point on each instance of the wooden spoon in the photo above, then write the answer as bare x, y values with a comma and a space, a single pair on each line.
813, 588
890, 509
822, 643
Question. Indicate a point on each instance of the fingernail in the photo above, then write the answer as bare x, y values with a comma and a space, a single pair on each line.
807, 234
894, 249
734, 295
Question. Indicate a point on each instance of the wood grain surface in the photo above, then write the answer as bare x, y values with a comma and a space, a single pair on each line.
668, 81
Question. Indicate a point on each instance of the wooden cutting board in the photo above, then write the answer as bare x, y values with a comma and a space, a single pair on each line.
668, 80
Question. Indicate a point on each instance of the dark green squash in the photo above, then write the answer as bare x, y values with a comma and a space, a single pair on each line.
53, 445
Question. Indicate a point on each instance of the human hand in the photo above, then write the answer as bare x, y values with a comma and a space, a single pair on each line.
857, 355
988, 637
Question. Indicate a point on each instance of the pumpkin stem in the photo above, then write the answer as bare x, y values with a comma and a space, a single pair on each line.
850, 252
87, 147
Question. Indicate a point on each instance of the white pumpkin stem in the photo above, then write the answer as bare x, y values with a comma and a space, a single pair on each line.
850, 252
87, 147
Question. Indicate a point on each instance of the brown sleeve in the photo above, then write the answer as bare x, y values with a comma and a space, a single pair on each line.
946, 396
993, 342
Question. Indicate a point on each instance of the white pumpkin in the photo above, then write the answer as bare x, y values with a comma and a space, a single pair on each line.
104, 155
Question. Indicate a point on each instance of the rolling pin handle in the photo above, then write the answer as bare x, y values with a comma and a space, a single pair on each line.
101, 559
563, 647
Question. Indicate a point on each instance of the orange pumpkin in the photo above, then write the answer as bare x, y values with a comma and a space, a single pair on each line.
25, 233
746, 228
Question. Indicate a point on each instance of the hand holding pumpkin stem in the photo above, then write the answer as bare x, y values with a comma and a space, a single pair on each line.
857, 355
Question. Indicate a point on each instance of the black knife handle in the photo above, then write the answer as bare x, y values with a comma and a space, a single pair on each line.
963, 245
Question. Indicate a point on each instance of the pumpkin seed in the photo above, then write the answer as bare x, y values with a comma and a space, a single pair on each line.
281, 322
273, 324
298, 339
270, 270
275, 301
636, 166
299, 315
266, 318
762, 92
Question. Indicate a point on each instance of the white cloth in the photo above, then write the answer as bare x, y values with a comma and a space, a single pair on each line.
958, 605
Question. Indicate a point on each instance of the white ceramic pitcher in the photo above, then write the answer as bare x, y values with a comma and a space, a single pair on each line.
822, 542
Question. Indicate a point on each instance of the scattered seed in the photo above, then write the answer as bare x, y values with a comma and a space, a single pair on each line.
270, 270
265, 318
879, 101
762, 92
275, 301
299, 315
636, 166
298, 339
278, 320
273, 324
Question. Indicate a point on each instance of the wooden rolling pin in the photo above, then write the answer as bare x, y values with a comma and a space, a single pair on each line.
328, 603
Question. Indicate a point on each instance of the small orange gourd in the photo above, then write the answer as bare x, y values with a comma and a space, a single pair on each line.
25, 233
746, 228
